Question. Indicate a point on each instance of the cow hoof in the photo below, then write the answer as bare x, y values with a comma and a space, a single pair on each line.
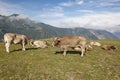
64, 54
23, 49
8, 51
81, 55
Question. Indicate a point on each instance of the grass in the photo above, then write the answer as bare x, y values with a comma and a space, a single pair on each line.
45, 64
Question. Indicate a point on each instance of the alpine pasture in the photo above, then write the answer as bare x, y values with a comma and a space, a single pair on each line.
50, 64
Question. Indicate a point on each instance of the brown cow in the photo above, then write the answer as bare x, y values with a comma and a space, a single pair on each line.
65, 42
13, 38
108, 47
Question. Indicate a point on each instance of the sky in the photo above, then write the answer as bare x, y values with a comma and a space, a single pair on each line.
95, 14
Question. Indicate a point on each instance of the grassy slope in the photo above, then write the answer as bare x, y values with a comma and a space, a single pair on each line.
44, 64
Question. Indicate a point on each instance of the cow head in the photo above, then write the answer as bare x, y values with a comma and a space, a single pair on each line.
56, 41
31, 42
113, 47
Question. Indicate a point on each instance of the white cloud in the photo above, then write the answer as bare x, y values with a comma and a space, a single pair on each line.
7, 8
21, 16
96, 21
110, 1
52, 12
79, 2
66, 4
49, 14
85, 11
72, 3
107, 3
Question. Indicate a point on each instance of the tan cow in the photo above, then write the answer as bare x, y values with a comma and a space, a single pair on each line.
13, 38
40, 43
75, 42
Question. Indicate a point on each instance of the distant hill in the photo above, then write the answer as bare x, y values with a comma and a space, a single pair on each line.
117, 33
19, 24
115, 30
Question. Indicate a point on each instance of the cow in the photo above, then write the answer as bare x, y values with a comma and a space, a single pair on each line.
40, 43
88, 46
95, 43
108, 47
13, 38
74, 42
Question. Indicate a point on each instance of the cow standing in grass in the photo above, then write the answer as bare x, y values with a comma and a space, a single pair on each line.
74, 42
13, 38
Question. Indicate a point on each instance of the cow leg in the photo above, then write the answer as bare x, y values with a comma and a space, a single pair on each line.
23, 45
65, 50
7, 45
23, 48
83, 51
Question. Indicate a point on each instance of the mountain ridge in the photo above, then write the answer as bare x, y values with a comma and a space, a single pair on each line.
23, 25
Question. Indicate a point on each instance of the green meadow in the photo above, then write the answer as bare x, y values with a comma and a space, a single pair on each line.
50, 64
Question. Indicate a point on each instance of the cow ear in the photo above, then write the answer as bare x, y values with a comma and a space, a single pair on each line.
58, 39
55, 38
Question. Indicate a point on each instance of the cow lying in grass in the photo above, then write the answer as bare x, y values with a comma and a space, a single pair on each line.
13, 38
108, 47
94, 43
75, 42
40, 43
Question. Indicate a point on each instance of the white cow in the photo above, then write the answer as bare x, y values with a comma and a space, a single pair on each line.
40, 43
95, 43
13, 38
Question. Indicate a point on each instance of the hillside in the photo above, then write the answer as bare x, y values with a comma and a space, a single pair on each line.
115, 30
117, 33
50, 64
23, 25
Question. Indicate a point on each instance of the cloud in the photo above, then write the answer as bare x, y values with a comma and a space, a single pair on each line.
107, 3
79, 2
66, 4
52, 12
85, 11
72, 3
49, 14
96, 21
7, 8
18, 17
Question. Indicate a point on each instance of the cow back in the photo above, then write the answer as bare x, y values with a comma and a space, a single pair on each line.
71, 41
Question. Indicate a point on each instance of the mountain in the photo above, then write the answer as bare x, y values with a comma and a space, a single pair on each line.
117, 33
115, 30
16, 23
103, 34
